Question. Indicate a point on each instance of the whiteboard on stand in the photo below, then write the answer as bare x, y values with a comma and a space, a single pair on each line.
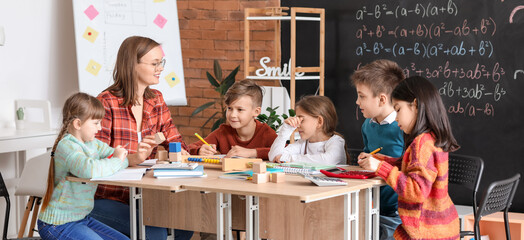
102, 25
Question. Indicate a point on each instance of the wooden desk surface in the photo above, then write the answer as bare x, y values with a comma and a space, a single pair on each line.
150, 182
295, 187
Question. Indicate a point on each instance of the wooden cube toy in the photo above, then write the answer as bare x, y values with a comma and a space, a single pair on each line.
175, 147
278, 177
175, 157
260, 178
162, 155
259, 167
159, 138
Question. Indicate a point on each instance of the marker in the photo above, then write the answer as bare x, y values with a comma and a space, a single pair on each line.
376, 151
201, 139
110, 156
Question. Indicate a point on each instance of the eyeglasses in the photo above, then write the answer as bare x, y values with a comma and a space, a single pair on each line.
162, 63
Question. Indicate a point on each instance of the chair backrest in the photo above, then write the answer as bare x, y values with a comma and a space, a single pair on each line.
5, 194
33, 181
465, 170
353, 155
498, 196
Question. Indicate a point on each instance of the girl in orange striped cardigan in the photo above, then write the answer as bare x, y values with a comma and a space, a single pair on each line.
420, 177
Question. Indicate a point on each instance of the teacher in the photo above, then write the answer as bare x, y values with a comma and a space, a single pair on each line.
133, 114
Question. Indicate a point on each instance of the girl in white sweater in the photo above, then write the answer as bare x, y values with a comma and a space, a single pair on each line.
319, 143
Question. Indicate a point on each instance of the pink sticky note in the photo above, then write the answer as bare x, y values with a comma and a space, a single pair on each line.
160, 21
91, 12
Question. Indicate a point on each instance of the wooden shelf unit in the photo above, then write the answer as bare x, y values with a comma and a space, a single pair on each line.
277, 15
493, 225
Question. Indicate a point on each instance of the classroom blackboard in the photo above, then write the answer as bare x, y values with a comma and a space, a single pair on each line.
100, 28
472, 51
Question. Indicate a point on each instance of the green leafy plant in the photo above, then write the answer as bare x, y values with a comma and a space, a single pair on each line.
273, 120
20, 113
221, 85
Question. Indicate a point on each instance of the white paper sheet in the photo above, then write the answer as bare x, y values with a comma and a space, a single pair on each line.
124, 175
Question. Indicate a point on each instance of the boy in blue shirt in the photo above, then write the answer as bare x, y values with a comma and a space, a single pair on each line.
374, 83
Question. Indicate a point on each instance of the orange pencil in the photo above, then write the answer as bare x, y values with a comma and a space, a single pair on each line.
376, 151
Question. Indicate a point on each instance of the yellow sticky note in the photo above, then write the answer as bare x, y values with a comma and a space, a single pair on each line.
90, 34
157, 1
93, 67
172, 79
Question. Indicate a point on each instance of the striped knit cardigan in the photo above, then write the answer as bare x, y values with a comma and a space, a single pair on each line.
420, 179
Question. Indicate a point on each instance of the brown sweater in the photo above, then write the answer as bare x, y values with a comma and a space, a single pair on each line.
225, 137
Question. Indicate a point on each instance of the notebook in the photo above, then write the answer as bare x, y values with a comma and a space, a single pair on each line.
198, 171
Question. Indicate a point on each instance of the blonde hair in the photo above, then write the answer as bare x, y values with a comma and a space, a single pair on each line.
129, 54
320, 106
381, 76
78, 106
244, 88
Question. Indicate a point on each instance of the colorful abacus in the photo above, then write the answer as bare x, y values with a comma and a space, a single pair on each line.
205, 160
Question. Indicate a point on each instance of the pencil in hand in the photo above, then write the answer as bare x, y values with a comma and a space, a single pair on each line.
202, 139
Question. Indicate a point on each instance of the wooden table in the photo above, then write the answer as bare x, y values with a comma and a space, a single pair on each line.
162, 208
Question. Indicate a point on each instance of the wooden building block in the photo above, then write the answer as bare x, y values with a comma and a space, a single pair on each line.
278, 177
162, 155
260, 178
232, 164
159, 138
259, 167
175, 157
175, 147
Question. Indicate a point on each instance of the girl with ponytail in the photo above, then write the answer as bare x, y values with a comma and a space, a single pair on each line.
78, 153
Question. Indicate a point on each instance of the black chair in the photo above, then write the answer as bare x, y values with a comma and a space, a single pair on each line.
466, 171
353, 156
497, 197
5, 194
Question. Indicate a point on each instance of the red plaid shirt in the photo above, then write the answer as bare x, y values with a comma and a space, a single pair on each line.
119, 128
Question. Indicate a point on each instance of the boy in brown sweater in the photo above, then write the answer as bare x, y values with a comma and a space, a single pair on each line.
242, 135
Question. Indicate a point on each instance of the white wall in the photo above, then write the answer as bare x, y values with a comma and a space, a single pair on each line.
38, 61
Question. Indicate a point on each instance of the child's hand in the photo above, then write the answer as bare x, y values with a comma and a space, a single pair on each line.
206, 150
241, 152
293, 121
277, 159
120, 152
368, 162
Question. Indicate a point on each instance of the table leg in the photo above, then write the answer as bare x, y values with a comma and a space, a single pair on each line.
135, 194
351, 215
224, 211
376, 211
252, 218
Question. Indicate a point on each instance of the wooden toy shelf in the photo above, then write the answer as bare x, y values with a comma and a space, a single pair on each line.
277, 14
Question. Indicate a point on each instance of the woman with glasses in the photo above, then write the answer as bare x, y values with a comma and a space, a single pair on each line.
133, 114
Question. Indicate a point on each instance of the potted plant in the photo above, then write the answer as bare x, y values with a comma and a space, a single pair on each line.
273, 120
20, 118
221, 85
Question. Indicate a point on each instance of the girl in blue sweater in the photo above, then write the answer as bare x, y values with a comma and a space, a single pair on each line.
78, 153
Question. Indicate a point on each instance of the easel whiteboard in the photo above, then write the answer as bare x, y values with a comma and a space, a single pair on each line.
102, 25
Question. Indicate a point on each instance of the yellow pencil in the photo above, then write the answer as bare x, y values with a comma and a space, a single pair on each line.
376, 151
201, 139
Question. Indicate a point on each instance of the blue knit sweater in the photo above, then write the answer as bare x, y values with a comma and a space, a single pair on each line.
391, 139
72, 201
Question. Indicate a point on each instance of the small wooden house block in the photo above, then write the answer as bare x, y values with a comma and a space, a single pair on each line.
259, 167
260, 178
278, 177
